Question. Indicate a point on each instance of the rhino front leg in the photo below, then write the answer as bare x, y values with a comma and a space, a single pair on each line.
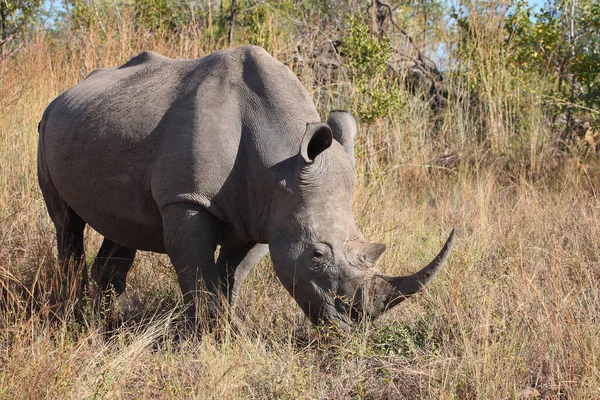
191, 236
234, 264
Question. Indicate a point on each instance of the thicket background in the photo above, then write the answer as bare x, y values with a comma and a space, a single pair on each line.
482, 115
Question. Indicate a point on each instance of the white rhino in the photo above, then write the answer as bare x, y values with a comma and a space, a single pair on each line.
183, 156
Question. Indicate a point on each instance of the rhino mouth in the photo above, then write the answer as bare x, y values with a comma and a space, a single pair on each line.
331, 310
334, 310
340, 314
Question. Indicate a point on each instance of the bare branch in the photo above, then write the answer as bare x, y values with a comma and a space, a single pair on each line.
381, 4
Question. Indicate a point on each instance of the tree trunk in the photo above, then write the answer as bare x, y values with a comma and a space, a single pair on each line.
569, 128
232, 21
3, 17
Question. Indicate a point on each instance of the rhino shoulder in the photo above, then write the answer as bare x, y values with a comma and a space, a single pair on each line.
254, 55
252, 51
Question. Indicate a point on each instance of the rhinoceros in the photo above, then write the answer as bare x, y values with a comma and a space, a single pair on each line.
225, 152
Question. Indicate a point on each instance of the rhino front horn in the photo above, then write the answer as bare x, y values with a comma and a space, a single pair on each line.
389, 291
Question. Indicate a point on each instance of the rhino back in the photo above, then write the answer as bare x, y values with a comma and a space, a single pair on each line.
128, 141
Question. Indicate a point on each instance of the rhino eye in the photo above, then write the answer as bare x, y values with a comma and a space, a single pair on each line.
318, 254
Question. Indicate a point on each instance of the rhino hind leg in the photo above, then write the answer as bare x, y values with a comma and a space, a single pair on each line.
234, 264
111, 266
69, 237
71, 253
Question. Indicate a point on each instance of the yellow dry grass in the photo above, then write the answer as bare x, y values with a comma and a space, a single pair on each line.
515, 313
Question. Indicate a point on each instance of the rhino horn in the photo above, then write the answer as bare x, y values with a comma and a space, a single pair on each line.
389, 291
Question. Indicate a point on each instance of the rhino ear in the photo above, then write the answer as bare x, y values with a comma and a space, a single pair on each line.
317, 139
344, 129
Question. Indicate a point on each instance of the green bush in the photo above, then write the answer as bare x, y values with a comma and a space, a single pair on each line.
367, 61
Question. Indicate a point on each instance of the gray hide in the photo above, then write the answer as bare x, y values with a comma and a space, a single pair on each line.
182, 156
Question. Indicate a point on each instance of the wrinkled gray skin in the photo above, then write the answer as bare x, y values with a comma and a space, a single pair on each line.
182, 156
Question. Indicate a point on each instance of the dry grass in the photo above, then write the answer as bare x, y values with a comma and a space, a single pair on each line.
515, 314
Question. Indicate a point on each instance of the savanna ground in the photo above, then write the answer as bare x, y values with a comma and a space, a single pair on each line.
514, 314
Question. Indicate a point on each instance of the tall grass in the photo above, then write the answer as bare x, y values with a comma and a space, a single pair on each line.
515, 314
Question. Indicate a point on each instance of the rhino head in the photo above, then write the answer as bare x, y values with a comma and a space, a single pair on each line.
318, 252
